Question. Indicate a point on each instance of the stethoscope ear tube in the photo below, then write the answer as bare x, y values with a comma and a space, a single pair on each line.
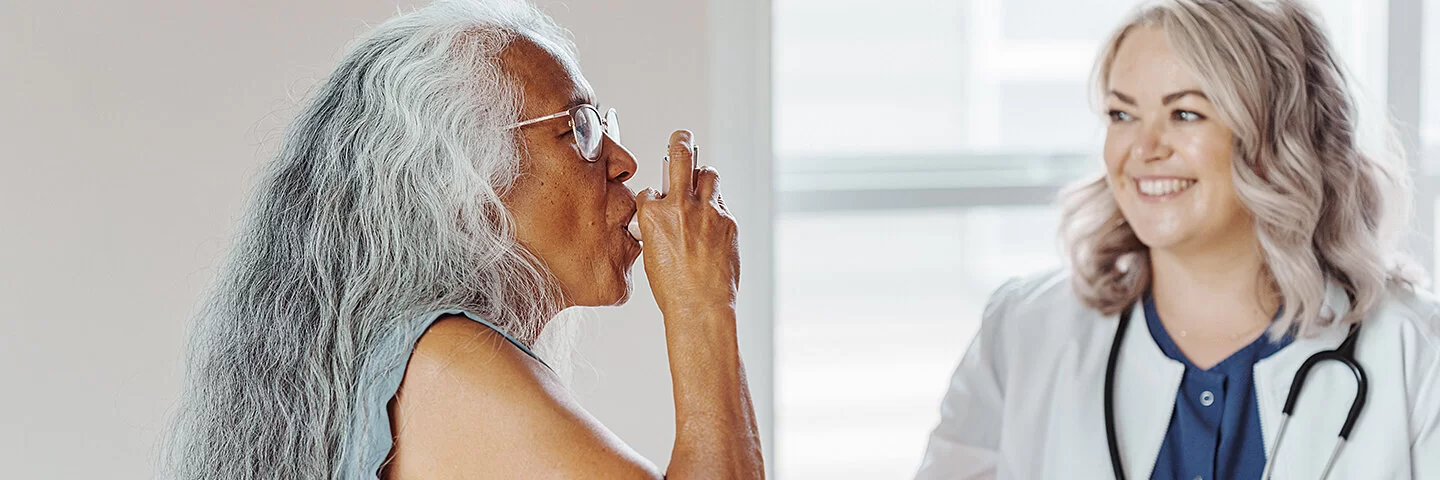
1345, 354
1110, 436
1362, 383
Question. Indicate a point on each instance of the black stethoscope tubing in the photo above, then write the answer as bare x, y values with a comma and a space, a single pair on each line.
1345, 354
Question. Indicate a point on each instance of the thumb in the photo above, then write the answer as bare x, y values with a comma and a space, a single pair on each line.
649, 194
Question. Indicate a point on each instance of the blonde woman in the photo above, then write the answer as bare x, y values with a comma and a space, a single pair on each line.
1238, 232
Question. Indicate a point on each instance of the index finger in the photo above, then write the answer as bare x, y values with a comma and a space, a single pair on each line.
682, 161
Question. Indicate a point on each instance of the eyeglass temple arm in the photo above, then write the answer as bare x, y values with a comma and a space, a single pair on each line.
536, 120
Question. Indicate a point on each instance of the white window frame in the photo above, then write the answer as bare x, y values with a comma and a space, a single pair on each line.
1405, 59
805, 185
740, 148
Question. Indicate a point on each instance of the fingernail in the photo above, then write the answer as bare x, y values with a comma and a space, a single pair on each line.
680, 141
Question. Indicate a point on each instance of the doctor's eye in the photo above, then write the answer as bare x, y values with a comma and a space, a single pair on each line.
1186, 116
1117, 116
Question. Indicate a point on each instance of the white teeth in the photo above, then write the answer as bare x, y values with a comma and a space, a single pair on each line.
1163, 187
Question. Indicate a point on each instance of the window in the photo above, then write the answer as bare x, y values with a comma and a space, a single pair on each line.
1430, 99
906, 288
858, 77
919, 147
1429, 121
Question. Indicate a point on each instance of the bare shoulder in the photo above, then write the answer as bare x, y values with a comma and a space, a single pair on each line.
472, 405
459, 355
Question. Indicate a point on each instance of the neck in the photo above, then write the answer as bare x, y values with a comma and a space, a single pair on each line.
1213, 292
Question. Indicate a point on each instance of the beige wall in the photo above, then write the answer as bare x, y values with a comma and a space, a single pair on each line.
128, 134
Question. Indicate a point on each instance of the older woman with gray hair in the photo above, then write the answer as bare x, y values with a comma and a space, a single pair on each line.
449, 189
1234, 307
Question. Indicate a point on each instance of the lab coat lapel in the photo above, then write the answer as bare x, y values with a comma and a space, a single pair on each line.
1320, 411
1146, 382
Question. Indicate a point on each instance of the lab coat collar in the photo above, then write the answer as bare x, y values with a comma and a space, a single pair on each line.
1145, 384
1149, 381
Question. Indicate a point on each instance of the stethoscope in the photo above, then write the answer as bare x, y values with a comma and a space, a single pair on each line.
1344, 354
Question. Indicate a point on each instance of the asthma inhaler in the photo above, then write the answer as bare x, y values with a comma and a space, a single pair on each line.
634, 226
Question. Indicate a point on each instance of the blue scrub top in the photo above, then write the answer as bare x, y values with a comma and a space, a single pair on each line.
1215, 428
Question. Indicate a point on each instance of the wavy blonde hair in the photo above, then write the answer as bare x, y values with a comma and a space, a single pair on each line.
1324, 210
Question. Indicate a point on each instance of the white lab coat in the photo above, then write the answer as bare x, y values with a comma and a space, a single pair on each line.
1027, 401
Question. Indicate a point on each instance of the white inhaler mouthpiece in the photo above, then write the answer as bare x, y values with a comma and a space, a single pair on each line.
634, 227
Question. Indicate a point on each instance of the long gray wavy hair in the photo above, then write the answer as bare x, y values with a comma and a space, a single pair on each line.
382, 205
1324, 210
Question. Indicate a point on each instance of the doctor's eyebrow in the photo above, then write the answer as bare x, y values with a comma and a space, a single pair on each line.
1168, 99
1181, 94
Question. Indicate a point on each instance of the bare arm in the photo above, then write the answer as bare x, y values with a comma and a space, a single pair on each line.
715, 431
693, 263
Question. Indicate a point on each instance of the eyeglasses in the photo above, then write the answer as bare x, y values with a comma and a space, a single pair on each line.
588, 127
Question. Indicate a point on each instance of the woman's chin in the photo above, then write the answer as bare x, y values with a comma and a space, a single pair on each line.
616, 293
1159, 237
1173, 241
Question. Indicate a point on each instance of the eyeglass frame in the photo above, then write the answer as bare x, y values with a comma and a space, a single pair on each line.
575, 134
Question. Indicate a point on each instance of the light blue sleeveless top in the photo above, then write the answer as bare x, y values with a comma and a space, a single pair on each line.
370, 438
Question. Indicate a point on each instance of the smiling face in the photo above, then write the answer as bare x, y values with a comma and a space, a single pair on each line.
1167, 155
569, 212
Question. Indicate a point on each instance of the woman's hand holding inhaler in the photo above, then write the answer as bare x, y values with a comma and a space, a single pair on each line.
691, 253
692, 259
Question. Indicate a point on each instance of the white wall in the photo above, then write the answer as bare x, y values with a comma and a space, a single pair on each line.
670, 65
129, 132
652, 60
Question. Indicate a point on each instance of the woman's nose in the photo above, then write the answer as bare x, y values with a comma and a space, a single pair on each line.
1150, 145
620, 163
